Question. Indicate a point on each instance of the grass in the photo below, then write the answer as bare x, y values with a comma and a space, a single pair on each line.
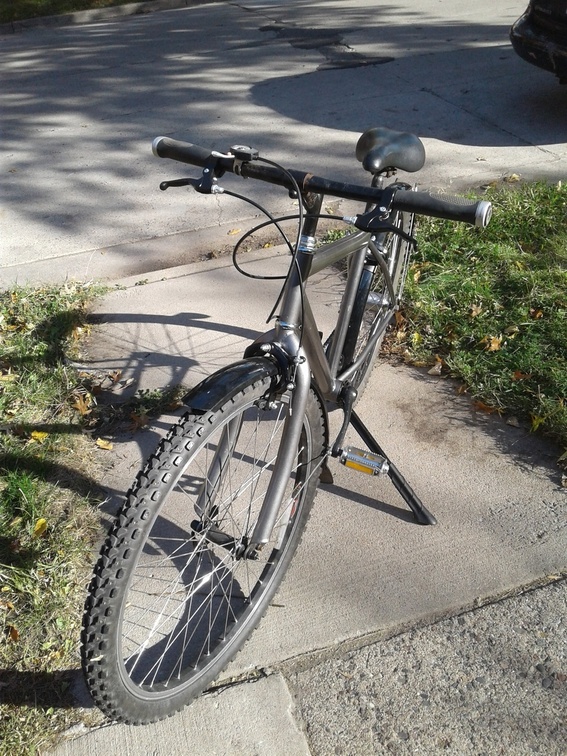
48, 516
490, 308
18, 10
51, 418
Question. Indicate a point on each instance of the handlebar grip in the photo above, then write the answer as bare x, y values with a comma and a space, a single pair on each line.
184, 152
475, 212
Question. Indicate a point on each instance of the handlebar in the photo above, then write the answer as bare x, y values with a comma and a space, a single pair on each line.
476, 213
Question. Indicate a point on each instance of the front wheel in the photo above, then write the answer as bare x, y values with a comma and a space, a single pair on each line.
177, 590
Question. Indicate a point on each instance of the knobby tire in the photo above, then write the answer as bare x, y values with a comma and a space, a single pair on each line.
174, 597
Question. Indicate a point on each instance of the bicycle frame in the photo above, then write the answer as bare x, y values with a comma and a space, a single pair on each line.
297, 334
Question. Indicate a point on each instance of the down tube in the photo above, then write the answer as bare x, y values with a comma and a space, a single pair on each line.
318, 363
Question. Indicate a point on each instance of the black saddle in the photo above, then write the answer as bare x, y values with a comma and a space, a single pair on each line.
382, 149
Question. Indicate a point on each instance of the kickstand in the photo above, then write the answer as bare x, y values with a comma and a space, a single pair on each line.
421, 514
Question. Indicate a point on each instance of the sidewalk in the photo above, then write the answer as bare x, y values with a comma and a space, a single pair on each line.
80, 107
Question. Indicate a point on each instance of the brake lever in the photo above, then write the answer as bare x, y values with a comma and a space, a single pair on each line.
179, 182
207, 184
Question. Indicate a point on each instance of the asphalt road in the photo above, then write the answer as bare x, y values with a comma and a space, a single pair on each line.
81, 104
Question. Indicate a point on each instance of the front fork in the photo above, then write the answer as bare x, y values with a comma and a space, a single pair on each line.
298, 387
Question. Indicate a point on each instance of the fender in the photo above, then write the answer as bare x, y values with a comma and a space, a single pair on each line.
211, 393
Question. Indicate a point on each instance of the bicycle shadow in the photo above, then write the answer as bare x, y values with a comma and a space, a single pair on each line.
143, 334
170, 346
154, 353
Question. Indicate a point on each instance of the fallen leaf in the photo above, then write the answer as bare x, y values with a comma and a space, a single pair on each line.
512, 178
15, 545
7, 605
494, 344
537, 420
82, 404
13, 633
39, 528
126, 383
475, 311
175, 404
39, 435
139, 421
115, 376
79, 331
535, 313
234, 231
519, 376
436, 369
482, 407
102, 444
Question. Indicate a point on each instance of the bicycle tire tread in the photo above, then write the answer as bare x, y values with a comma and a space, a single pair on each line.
109, 570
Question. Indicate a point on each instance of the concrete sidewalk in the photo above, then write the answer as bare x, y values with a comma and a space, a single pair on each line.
80, 106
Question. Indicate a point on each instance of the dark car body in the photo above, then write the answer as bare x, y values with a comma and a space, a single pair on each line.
540, 36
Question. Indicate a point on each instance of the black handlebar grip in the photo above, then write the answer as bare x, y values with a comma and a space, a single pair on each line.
184, 152
475, 212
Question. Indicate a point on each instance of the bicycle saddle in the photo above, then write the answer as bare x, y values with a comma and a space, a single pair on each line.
380, 149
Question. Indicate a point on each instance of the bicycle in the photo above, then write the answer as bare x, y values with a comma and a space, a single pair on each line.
212, 521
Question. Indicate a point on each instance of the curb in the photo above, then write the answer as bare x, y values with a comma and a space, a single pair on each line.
99, 14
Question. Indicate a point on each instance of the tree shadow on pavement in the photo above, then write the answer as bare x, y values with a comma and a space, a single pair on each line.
82, 104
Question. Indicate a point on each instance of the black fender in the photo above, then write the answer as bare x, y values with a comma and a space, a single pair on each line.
211, 393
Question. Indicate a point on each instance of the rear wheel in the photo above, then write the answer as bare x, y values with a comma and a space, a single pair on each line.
374, 305
176, 591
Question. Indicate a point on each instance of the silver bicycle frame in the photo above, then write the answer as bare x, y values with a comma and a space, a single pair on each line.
297, 333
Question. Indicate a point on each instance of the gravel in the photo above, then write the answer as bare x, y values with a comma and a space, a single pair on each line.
491, 681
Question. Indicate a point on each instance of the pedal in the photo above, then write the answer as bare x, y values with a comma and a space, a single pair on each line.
363, 461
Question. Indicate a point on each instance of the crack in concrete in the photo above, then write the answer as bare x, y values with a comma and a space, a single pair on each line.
328, 42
